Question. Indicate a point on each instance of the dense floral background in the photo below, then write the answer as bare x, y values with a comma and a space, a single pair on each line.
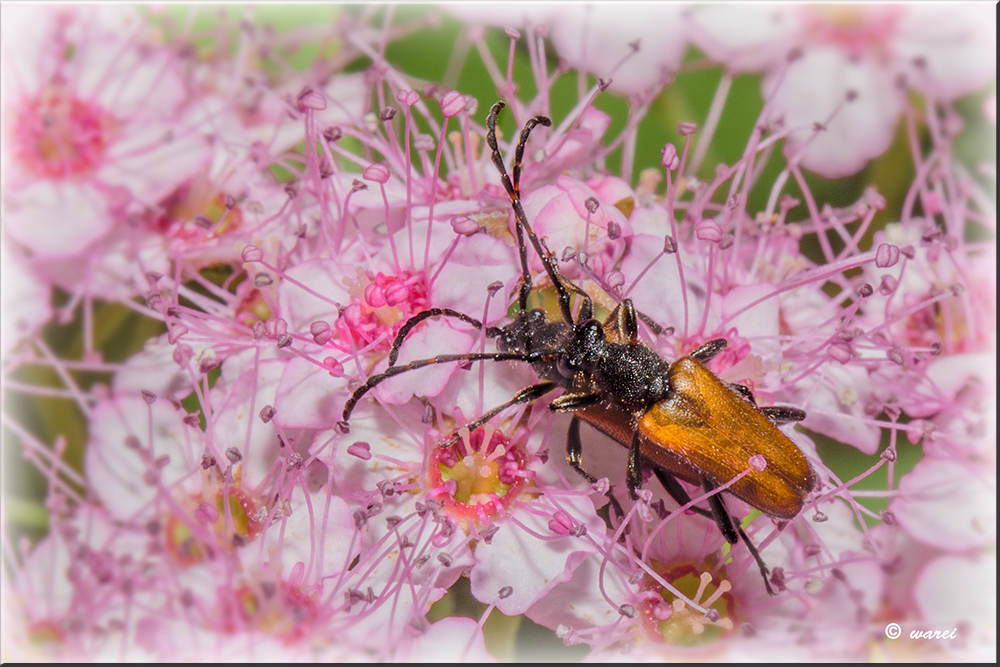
216, 220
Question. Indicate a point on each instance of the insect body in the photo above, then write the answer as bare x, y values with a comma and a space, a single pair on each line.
680, 418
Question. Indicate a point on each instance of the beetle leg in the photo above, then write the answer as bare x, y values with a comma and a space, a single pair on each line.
677, 492
743, 391
721, 515
526, 395
709, 349
653, 325
782, 414
756, 556
633, 474
626, 321
574, 455
572, 402
586, 311
730, 529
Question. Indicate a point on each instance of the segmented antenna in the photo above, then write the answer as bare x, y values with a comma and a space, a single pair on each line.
523, 226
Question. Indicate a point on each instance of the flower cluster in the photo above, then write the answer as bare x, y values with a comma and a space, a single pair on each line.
303, 235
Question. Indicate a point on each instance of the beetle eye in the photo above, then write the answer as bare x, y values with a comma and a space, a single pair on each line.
564, 367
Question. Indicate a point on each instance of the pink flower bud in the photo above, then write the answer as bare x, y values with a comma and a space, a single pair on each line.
182, 354
686, 129
362, 450
464, 225
407, 97
561, 523
310, 99
669, 158
888, 285
374, 296
336, 368
452, 103
874, 198
887, 255
206, 514
424, 142
353, 316
840, 351
396, 293
708, 230
377, 172
252, 253
176, 332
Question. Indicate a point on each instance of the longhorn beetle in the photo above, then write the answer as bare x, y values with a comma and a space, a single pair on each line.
679, 418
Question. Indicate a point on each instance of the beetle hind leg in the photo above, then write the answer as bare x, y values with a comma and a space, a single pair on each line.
776, 414
730, 529
743, 391
783, 414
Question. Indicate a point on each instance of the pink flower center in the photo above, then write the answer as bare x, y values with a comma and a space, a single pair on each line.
669, 619
44, 632
380, 308
57, 135
855, 29
188, 546
287, 612
479, 476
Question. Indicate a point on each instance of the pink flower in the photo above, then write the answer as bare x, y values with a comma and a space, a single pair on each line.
603, 41
836, 76
309, 451
93, 132
25, 301
578, 226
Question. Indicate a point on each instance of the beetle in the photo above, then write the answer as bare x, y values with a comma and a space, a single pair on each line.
679, 418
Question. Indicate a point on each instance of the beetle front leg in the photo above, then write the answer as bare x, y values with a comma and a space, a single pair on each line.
573, 402
526, 395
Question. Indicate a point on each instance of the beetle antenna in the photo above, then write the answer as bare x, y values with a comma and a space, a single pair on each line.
392, 371
523, 226
491, 332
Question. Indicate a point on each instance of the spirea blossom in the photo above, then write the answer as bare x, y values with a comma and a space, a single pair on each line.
294, 450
